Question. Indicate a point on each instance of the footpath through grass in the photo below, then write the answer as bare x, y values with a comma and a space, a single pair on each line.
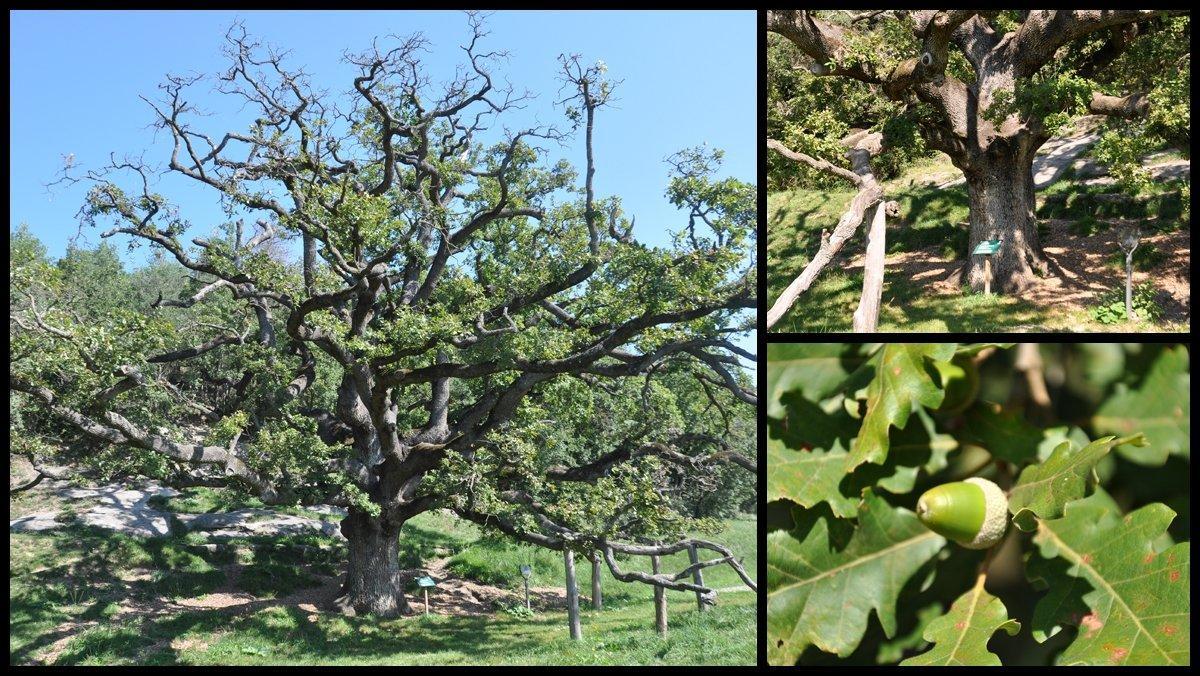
71, 590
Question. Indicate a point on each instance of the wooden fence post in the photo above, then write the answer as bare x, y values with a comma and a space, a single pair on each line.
572, 595
697, 576
660, 602
597, 598
866, 317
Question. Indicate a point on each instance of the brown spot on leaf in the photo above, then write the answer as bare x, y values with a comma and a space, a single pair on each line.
1148, 558
895, 370
1091, 624
1169, 630
1087, 558
1115, 654
960, 625
1173, 576
1178, 412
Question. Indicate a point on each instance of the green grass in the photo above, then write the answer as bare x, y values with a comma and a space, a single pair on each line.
829, 305
281, 635
82, 575
795, 219
1162, 202
203, 500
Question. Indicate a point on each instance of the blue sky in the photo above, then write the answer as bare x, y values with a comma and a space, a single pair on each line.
689, 77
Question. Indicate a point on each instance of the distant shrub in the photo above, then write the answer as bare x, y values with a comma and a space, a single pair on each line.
1145, 257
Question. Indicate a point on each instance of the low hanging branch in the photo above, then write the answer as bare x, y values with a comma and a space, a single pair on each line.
863, 146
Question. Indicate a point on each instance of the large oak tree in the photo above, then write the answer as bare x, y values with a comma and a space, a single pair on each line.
466, 328
1021, 72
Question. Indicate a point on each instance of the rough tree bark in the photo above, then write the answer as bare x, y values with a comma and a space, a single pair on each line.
660, 601
373, 582
572, 595
995, 157
1003, 209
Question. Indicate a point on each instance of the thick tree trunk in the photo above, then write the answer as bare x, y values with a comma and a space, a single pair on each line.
1000, 190
373, 582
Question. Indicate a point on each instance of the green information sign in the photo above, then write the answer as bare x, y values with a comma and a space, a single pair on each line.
987, 247
426, 581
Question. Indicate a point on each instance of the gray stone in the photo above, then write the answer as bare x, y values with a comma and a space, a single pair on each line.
40, 521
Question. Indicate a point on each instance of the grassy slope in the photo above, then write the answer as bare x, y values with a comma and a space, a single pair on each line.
930, 218
81, 575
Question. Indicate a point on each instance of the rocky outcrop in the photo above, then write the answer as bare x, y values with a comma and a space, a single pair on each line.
128, 511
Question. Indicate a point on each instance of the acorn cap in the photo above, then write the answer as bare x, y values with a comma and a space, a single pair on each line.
995, 520
973, 513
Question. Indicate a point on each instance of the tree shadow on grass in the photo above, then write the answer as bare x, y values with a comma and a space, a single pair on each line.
791, 246
906, 306
86, 574
912, 307
287, 634
418, 545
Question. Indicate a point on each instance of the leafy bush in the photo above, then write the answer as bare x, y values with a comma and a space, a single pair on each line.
1111, 309
518, 611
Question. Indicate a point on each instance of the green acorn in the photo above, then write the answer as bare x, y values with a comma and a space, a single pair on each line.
973, 513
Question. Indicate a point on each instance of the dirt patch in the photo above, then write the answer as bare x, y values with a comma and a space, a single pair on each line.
179, 644
458, 596
64, 633
1079, 270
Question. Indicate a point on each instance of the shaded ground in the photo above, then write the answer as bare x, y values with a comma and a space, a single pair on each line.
91, 594
1080, 211
1080, 272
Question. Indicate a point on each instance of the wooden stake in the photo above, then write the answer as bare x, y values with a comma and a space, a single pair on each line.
597, 598
866, 317
572, 595
426, 590
660, 602
697, 576
987, 275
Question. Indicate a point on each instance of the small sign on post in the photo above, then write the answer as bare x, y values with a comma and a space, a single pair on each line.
526, 571
425, 582
986, 248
